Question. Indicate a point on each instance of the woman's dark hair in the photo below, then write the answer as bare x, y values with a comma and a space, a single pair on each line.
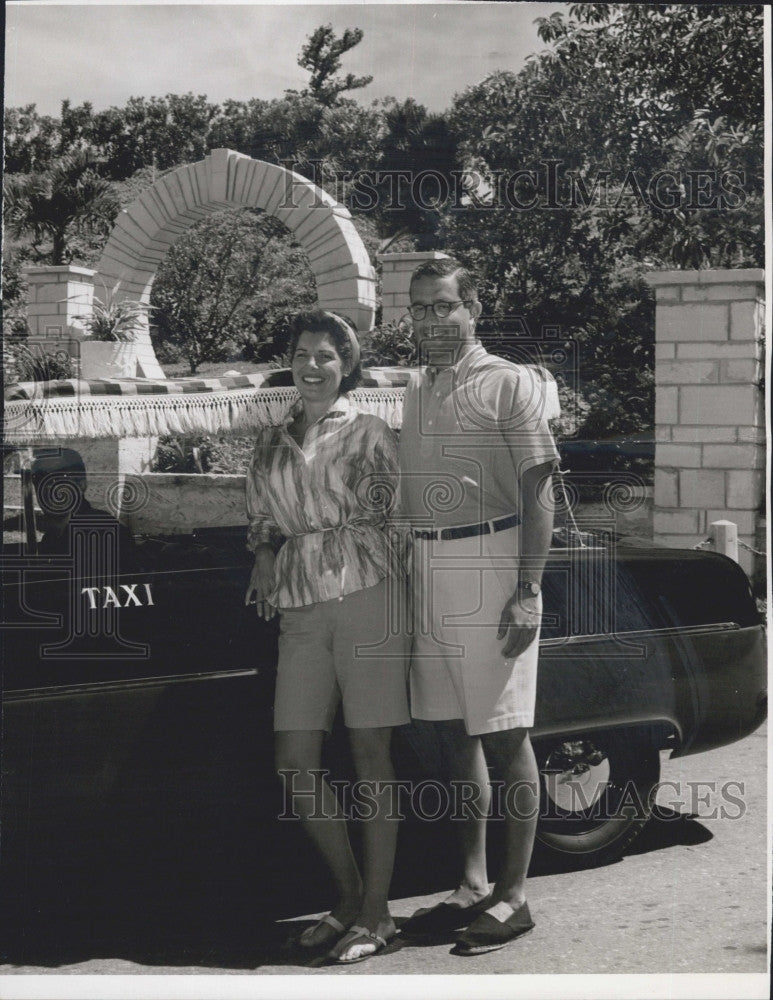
320, 321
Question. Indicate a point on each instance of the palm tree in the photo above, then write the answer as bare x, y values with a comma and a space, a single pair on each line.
68, 199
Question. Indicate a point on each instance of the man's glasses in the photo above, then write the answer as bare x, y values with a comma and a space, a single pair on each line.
441, 309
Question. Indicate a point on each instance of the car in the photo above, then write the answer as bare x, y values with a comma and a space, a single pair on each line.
618, 453
137, 714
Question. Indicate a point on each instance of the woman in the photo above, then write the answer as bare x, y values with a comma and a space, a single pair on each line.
316, 493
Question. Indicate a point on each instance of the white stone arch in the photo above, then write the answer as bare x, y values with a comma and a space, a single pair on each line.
146, 230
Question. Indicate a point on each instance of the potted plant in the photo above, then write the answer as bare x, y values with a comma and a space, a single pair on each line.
110, 350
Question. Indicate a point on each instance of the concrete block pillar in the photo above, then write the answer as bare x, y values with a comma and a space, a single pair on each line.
396, 271
58, 299
709, 406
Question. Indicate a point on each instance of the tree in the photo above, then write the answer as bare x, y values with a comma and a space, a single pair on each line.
321, 56
34, 142
30, 140
657, 66
417, 158
76, 128
228, 286
673, 87
639, 91
328, 145
626, 97
65, 202
159, 132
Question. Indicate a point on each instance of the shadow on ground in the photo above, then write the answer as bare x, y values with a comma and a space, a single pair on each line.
209, 896
669, 828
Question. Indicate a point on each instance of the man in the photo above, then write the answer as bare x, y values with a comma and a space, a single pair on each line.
476, 458
59, 478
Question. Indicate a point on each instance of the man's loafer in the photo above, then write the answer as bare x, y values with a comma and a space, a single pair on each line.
488, 933
442, 919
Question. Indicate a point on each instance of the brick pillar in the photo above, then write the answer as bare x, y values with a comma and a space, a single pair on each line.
58, 298
396, 271
709, 407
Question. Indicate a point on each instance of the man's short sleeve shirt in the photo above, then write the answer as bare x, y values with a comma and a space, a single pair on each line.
468, 437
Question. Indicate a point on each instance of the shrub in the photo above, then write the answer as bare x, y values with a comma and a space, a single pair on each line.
20, 364
389, 344
203, 453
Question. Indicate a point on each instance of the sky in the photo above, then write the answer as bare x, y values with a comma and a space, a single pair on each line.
106, 53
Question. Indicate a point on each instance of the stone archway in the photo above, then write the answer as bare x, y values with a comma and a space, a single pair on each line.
146, 230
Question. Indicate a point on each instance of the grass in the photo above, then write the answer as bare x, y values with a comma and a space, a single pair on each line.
181, 369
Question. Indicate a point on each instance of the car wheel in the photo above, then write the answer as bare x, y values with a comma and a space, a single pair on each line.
596, 795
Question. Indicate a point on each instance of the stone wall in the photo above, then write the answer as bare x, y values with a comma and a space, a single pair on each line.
709, 407
158, 503
176, 503
115, 470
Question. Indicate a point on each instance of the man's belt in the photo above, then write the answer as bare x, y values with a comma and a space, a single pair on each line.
468, 530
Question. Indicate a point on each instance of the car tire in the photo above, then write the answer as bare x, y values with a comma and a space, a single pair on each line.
596, 794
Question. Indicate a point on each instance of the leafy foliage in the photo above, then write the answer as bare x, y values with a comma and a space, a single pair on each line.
626, 94
112, 320
389, 344
229, 285
323, 143
22, 364
203, 453
30, 140
418, 154
161, 132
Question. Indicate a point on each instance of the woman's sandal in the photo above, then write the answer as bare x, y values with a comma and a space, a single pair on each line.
337, 929
360, 935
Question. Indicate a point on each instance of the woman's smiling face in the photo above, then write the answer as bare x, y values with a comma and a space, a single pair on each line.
317, 367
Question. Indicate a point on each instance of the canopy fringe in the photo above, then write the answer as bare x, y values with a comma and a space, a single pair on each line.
239, 412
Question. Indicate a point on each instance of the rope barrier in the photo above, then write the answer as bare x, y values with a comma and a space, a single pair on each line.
743, 545
750, 549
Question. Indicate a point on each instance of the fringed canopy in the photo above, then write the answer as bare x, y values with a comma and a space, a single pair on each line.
141, 408
235, 405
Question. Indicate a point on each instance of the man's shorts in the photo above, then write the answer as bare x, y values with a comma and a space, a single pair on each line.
459, 589
341, 651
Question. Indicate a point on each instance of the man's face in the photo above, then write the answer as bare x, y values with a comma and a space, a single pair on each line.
442, 342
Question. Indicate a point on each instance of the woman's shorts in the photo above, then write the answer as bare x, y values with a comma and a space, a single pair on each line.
459, 589
343, 651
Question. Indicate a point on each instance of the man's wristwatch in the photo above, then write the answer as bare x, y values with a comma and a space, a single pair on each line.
530, 587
